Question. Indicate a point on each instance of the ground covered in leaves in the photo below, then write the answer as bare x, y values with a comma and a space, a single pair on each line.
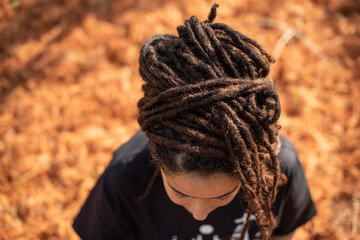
69, 84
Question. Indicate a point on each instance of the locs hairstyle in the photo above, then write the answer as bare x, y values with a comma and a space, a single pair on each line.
208, 108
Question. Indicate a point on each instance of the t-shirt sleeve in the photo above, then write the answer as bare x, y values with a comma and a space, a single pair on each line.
100, 216
294, 204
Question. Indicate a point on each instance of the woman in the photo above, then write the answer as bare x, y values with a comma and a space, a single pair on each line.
209, 162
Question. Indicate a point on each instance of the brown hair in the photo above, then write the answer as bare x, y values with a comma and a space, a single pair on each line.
208, 107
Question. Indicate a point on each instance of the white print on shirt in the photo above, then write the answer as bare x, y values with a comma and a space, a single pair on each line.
208, 229
205, 230
198, 237
240, 225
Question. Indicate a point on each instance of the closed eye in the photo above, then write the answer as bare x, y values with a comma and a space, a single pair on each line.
223, 197
180, 195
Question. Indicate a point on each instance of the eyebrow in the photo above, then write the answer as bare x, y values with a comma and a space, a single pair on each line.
221, 196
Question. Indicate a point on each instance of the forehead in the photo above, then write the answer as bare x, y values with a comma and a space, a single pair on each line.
199, 186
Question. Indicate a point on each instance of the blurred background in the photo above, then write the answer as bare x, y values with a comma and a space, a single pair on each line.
69, 85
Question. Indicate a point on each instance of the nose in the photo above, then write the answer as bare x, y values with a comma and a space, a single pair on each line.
200, 209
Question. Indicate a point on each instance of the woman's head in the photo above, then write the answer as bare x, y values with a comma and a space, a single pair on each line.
209, 109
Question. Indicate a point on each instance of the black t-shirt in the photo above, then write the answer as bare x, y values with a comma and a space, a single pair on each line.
114, 210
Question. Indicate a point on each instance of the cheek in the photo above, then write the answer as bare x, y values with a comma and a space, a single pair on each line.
224, 202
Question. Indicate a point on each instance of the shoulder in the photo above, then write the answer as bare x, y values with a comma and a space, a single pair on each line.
292, 168
133, 147
112, 207
130, 169
287, 155
293, 205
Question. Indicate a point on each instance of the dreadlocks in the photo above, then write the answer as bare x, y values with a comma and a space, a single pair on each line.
208, 107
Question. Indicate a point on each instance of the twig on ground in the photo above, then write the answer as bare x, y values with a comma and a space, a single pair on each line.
289, 33
281, 43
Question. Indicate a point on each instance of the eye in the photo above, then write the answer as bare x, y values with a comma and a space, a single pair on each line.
179, 195
223, 198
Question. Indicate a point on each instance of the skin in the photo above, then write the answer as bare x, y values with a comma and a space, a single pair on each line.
201, 195
198, 195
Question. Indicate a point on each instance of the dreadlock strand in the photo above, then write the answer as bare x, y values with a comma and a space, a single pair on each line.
249, 141
223, 56
235, 149
243, 66
198, 67
246, 225
194, 134
254, 202
191, 41
198, 121
180, 91
260, 62
180, 66
212, 14
169, 109
202, 38
196, 150
202, 41
254, 43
